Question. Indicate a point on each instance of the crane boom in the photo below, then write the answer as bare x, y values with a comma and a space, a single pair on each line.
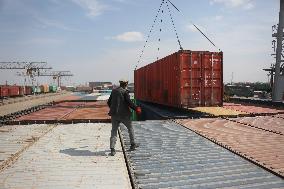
56, 73
24, 65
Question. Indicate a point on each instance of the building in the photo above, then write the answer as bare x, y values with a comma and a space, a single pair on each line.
100, 85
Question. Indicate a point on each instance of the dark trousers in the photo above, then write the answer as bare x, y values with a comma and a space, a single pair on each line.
115, 121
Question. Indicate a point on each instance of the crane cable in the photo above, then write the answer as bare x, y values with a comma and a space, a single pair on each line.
180, 47
205, 35
159, 38
196, 27
151, 29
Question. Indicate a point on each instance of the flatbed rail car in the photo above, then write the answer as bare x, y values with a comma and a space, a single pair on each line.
183, 79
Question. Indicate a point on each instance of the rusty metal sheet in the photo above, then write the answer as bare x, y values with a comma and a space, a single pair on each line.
171, 156
218, 111
252, 109
47, 114
268, 123
71, 110
262, 147
89, 114
76, 104
71, 97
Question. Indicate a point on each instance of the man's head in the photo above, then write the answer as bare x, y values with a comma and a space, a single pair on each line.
123, 83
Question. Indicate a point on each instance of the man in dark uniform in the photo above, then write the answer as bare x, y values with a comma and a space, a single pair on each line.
119, 103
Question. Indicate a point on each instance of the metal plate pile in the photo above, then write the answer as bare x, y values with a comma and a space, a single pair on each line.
171, 156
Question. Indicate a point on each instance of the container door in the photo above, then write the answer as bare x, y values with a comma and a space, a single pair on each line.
211, 92
191, 79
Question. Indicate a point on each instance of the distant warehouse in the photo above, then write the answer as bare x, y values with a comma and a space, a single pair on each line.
100, 85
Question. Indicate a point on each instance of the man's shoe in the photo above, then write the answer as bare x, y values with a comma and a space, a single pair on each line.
112, 152
134, 146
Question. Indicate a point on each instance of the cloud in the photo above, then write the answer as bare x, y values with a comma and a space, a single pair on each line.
45, 41
120, 1
245, 4
94, 7
249, 6
132, 36
53, 23
218, 17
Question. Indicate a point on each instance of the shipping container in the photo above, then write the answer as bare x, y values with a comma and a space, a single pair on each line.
36, 90
28, 90
63, 88
183, 79
4, 91
44, 88
52, 88
21, 90
14, 91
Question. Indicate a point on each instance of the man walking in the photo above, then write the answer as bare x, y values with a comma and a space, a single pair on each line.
119, 103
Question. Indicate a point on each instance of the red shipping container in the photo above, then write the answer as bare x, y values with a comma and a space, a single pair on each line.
4, 91
14, 91
21, 91
184, 79
28, 90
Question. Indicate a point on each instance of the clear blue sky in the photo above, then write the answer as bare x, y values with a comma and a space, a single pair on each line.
100, 40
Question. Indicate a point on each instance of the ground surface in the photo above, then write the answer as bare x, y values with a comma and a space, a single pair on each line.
28, 102
60, 156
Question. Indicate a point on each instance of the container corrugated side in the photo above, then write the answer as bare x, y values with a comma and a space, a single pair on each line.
183, 79
4, 91
53, 88
44, 88
14, 91
28, 90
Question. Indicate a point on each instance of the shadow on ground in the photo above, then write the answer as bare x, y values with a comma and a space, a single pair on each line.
77, 152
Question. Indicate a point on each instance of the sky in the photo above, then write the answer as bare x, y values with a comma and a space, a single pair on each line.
101, 40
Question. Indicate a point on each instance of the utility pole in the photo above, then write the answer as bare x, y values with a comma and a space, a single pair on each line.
278, 87
232, 77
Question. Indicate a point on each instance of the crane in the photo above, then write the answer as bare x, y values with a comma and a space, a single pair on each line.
31, 68
57, 75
